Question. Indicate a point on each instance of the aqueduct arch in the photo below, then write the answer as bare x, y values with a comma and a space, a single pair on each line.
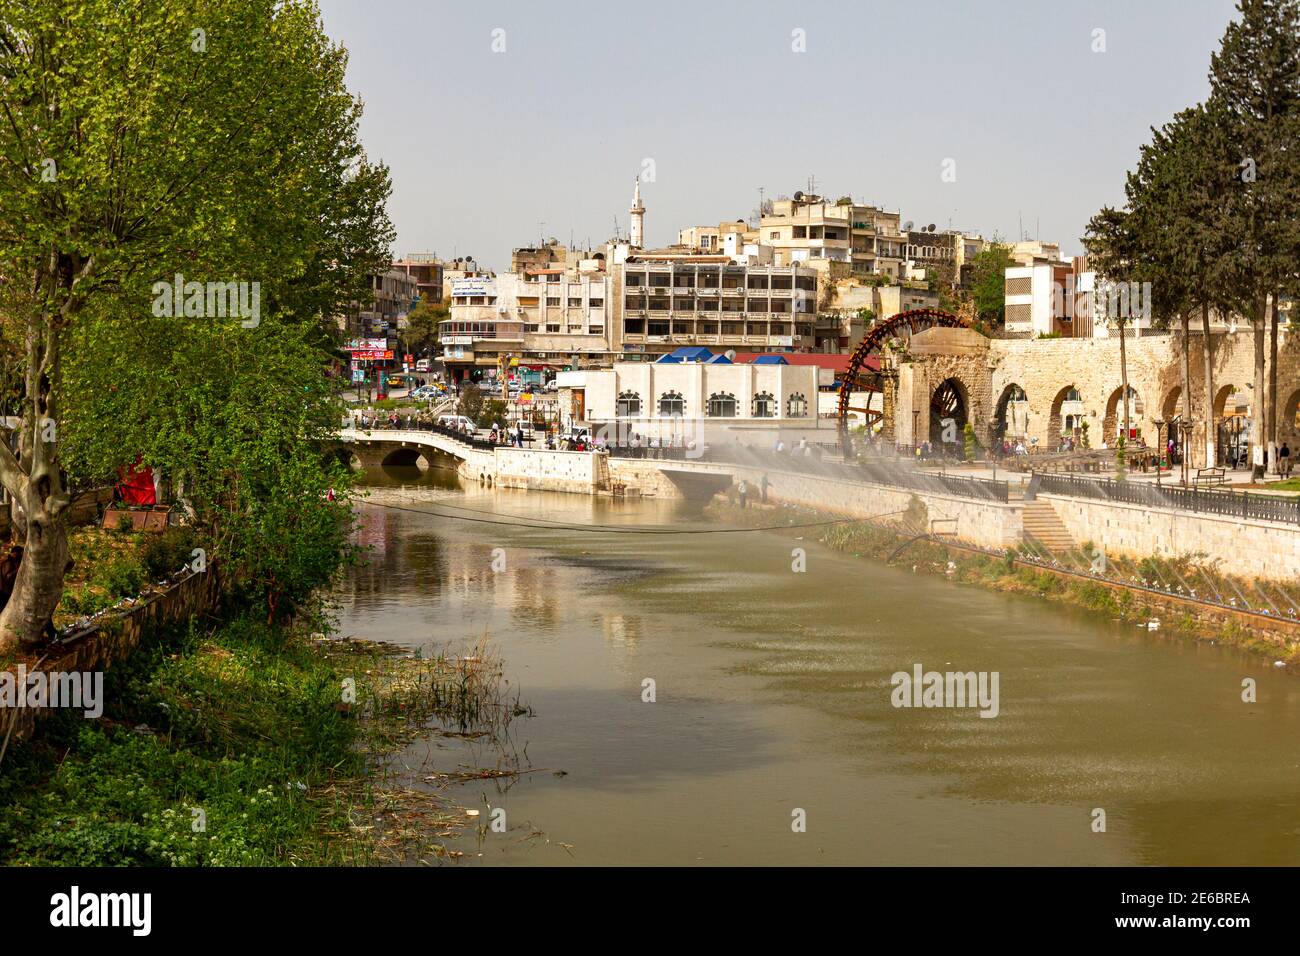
949, 415
1011, 416
1113, 423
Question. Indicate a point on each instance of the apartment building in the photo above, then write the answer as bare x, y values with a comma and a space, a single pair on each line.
393, 294
559, 317
712, 239
670, 299
949, 253
1068, 299
808, 230
426, 269
855, 305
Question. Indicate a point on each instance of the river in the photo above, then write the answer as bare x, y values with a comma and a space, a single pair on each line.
773, 696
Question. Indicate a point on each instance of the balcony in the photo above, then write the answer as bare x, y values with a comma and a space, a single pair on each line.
683, 290
733, 292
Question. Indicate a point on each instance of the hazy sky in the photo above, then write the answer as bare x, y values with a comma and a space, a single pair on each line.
485, 146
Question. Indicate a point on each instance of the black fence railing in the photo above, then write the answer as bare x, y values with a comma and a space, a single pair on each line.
1230, 503
813, 460
482, 444
888, 472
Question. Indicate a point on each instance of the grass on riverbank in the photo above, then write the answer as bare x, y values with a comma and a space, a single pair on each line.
242, 746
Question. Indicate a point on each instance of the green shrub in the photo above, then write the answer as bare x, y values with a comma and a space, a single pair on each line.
164, 554
121, 577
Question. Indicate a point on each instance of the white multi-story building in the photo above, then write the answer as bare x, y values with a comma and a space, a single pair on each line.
672, 299
543, 316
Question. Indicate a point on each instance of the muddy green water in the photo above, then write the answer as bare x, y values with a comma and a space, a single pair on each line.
773, 694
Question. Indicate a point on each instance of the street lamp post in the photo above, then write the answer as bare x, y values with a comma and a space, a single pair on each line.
1160, 444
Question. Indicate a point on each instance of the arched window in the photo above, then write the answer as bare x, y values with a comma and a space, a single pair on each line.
628, 405
672, 405
765, 405
722, 405
1073, 395
796, 406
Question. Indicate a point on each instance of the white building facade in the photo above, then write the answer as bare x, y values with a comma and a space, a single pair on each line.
720, 402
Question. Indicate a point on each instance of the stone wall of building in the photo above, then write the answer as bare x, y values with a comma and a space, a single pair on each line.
1264, 549
988, 370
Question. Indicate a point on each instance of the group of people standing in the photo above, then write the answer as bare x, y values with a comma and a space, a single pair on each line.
504, 436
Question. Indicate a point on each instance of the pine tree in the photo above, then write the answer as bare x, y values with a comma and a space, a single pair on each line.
1255, 83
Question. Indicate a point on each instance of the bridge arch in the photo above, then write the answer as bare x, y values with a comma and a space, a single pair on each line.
405, 458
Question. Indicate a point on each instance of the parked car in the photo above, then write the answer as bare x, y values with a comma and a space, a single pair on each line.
457, 422
422, 365
426, 392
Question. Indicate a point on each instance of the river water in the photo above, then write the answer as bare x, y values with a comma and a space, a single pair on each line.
773, 696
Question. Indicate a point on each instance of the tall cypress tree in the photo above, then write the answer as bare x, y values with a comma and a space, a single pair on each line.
1255, 83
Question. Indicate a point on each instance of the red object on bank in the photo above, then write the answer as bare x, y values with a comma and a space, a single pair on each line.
135, 485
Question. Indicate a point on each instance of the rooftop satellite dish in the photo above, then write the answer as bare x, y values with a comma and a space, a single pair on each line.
730, 354
798, 194
930, 228
907, 226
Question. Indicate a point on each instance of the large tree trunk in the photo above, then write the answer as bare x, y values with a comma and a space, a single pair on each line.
33, 476
1258, 445
1187, 392
38, 587
1272, 384
1207, 351
1123, 378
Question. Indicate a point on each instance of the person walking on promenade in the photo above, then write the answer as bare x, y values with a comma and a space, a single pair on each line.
762, 489
742, 493
1284, 460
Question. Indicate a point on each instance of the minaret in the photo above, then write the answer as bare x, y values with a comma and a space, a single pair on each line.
638, 216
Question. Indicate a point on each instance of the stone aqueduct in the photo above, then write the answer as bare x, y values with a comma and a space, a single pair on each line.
1043, 388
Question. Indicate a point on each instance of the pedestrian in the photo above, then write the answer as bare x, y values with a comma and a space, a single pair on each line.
742, 492
762, 488
1284, 459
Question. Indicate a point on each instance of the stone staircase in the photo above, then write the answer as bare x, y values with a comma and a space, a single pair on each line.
1044, 526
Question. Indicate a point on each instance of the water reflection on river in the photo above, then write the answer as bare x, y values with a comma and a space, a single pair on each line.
773, 694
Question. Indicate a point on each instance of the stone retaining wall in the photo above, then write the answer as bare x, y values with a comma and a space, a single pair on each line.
115, 638
1264, 549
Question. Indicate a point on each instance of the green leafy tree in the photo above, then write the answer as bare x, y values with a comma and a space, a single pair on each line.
422, 326
470, 403
969, 443
988, 282
1255, 86
141, 142
1114, 251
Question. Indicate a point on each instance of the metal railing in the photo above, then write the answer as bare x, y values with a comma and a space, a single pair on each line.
1225, 502
880, 471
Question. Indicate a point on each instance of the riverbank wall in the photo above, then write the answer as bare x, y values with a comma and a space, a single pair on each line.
112, 637
1250, 547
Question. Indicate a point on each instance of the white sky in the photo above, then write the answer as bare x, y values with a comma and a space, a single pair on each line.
484, 146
